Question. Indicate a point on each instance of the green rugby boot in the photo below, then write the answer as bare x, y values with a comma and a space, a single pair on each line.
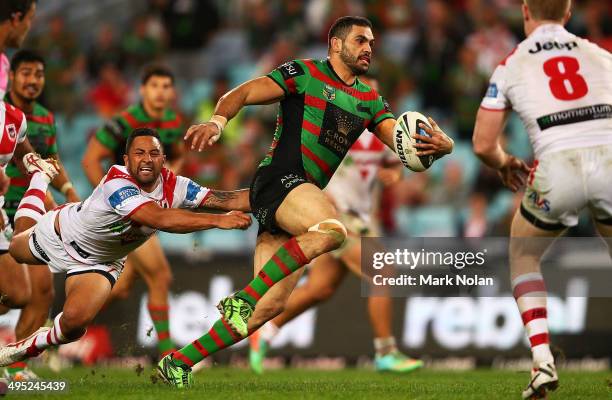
396, 362
236, 312
179, 376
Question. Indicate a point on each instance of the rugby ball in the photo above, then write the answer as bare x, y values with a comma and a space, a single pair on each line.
407, 125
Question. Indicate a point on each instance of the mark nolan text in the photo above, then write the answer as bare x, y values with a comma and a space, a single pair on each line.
432, 280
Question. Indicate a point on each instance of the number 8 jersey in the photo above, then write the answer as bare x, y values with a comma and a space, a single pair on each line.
561, 87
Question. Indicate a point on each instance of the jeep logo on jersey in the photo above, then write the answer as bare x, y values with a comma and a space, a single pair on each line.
340, 129
552, 45
12, 131
329, 92
290, 70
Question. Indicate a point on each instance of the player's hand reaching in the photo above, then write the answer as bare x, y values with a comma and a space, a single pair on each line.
437, 143
202, 135
513, 173
234, 220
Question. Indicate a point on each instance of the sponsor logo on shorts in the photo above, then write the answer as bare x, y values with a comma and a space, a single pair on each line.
539, 202
116, 199
290, 180
590, 113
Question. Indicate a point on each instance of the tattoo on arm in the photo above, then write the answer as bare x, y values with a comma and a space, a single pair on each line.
227, 200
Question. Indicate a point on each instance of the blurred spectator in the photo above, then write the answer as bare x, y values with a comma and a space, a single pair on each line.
260, 27
450, 189
432, 56
105, 50
492, 41
111, 93
206, 109
597, 17
476, 223
468, 85
65, 65
140, 45
189, 23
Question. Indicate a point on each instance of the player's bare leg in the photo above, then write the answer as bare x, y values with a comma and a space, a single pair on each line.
85, 296
324, 276
305, 213
34, 315
530, 293
15, 290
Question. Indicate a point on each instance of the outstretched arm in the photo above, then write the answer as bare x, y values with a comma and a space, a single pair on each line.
177, 220
227, 200
262, 90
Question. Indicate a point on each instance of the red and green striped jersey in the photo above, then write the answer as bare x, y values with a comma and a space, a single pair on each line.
320, 118
115, 131
41, 133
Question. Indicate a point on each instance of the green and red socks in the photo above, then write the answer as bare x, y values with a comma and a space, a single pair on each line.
16, 367
218, 337
288, 259
159, 315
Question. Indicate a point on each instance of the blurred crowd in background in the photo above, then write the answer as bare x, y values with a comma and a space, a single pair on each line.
433, 56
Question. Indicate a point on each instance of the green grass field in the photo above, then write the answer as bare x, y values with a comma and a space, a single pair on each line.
353, 384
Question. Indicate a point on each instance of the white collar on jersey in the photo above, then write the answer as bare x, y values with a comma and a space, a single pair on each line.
548, 28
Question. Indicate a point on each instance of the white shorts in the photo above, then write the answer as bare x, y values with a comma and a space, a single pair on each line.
6, 233
46, 245
563, 183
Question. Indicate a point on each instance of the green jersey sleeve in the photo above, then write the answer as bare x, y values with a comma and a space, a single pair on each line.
52, 140
111, 133
381, 110
292, 77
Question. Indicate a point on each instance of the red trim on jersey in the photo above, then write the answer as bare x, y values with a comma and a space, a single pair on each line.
138, 208
378, 114
320, 75
12, 116
320, 163
21, 181
315, 102
312, 128
204, 199
375, 144
116, 173
494, 109
169, 181
503, 62
533, 171
134, 123
291, 86
38, 119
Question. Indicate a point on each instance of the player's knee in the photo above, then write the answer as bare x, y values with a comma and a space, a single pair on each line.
19, 298
334, 231
75, 319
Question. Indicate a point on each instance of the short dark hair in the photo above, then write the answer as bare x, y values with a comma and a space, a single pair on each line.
10, 7
140, 132
549, 10
156, 70
24, 56
342, 26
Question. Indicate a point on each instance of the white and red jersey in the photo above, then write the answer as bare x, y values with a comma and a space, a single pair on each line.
561, 87
13, 127
99, 230
353, 182
5, 66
